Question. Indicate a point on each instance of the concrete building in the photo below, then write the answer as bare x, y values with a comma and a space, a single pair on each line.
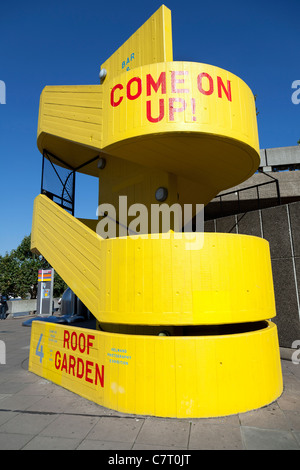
268, 205
276, 182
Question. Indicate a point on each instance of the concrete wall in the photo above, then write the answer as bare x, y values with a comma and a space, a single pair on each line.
289, 184
17, 306
280, 226
24, 306
280, 156
289, 187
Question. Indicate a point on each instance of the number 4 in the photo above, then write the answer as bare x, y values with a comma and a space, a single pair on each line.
39, 352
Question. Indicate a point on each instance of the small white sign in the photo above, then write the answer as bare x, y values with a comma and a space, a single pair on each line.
2, 352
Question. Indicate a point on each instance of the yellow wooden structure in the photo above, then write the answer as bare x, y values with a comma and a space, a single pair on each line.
176, 376
183, 331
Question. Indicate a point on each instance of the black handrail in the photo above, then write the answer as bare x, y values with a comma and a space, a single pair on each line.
237, 192
66, 198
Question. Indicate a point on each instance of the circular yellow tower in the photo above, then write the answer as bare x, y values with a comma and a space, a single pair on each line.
183, 317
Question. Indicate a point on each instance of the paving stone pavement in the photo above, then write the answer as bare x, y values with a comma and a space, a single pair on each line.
36, 414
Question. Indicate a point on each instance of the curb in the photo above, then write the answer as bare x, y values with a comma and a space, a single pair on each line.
286, 353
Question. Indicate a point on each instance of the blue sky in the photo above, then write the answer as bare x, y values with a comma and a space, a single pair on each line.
63, 42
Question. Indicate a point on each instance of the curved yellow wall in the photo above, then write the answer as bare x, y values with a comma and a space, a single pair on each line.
179, 97
158, 279
182, 377
194, 120
139, 287
215, 279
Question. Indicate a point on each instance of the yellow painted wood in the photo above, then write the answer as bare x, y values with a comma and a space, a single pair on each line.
139, 184
191, 128
194, 130
192, 120
228, 280
70, 246
182, 377
151, 43
209, 138
71, 117
160, 279
70, 123
91, 223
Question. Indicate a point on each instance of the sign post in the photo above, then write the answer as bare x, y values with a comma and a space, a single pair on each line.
45, 292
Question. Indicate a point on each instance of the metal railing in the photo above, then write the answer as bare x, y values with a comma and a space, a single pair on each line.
256, 202
58, 180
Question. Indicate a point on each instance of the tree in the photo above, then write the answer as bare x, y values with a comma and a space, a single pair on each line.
8, 274
19, 272
28, 266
